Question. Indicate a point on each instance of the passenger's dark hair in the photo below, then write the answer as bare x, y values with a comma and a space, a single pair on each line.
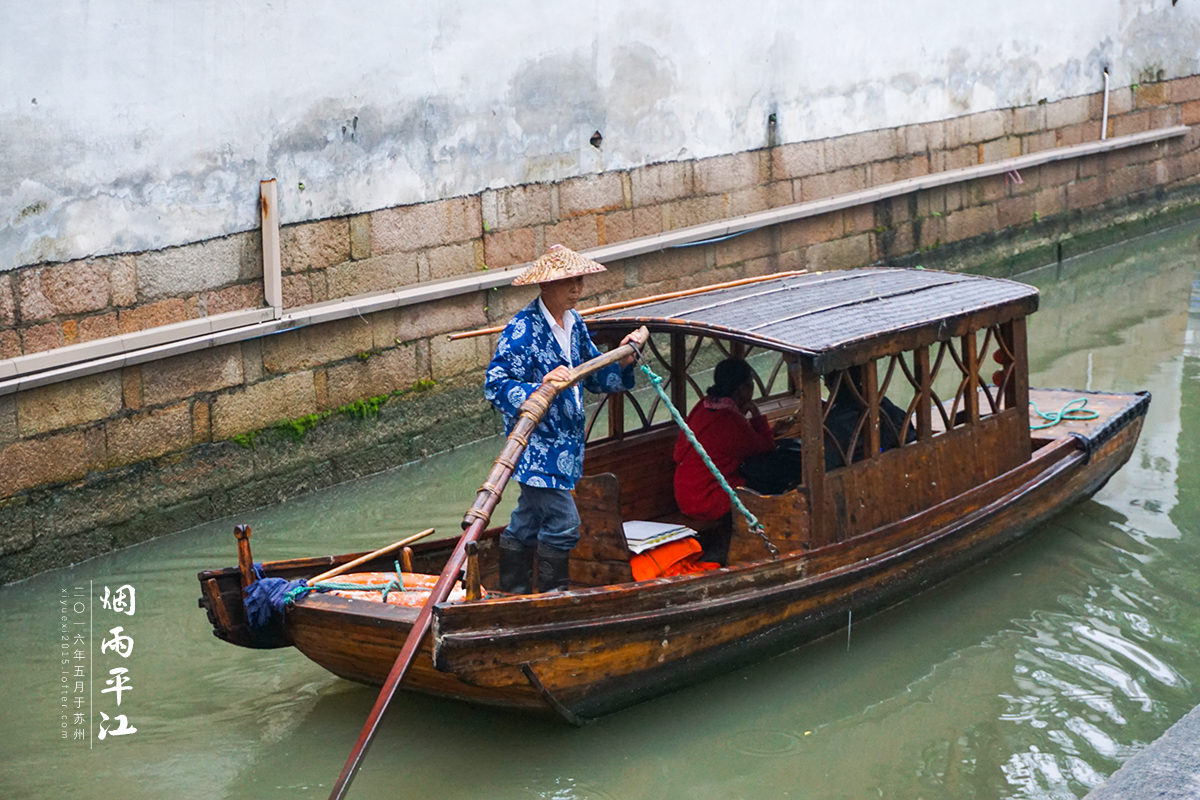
728, 377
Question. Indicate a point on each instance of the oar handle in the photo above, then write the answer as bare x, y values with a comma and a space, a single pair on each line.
245, 560
383, 551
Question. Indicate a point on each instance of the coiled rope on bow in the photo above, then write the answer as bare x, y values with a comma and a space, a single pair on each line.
1072, 411
751, 520
394, 585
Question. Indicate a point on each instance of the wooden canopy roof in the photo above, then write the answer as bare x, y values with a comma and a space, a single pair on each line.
832, 320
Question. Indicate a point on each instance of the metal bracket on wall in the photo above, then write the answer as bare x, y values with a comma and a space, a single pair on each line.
268, 209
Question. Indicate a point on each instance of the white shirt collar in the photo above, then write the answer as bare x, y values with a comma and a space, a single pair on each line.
562, 333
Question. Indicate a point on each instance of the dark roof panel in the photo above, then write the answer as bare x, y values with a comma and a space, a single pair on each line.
818, 313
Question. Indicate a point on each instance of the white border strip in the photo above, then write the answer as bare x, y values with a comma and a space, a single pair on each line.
40, 369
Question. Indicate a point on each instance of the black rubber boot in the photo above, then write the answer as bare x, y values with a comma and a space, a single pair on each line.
553, 568
516, 566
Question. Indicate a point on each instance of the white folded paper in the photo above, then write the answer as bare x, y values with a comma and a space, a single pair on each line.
641, 536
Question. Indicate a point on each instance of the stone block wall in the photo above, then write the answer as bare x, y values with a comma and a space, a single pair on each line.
46, 306
108, 459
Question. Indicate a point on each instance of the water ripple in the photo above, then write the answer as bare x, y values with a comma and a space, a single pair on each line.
764, 743
1157, 669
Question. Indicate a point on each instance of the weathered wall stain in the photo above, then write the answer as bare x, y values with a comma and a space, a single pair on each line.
160, 138
1160, 41
641, 104
551, 97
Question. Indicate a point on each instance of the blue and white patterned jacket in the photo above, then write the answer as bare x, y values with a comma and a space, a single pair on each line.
526, 353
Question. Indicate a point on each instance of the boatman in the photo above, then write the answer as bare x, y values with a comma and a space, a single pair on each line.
542, 343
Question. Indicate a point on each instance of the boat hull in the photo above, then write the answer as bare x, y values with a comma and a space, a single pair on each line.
582, 654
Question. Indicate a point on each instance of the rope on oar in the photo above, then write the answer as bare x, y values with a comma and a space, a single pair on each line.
1073, 411
751, 520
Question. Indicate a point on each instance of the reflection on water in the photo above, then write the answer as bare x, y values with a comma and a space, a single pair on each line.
1033, 676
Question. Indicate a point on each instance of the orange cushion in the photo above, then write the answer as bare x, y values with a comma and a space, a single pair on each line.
673, 558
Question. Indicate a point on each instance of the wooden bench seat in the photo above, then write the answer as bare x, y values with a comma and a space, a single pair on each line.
602, 555
634, 480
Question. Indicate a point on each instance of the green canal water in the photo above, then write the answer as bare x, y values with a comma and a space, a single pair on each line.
1034, 675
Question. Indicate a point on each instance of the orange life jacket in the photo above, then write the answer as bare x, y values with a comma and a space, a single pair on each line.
673, 558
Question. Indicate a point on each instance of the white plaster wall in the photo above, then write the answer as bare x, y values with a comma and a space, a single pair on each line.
128, 125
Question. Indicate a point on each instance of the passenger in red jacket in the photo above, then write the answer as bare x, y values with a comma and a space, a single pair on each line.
721, 426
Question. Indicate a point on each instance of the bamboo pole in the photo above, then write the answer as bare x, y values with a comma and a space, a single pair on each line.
383, 551
644, 300
531, 413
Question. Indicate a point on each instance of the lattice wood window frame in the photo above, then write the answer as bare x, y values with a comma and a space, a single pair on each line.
678, 359
999, 387
839, 385
910, 412
964, 358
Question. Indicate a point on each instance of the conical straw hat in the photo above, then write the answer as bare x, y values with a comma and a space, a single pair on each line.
560, 262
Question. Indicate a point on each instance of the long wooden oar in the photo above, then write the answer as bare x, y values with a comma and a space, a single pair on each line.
383, 551
477, 517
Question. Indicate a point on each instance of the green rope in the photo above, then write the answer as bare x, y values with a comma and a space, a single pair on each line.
1072, 411
751, 520
289, 598
399, 580
396, 584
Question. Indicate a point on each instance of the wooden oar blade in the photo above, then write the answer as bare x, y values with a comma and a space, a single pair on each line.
408, 653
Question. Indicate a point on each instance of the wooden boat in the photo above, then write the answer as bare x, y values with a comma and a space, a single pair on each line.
950, 349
